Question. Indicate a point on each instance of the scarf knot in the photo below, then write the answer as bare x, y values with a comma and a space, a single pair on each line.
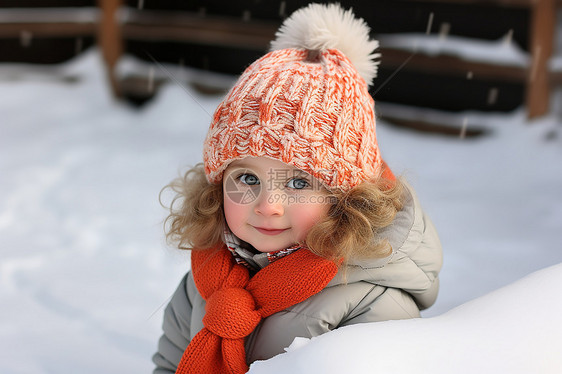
231, 313
236, 303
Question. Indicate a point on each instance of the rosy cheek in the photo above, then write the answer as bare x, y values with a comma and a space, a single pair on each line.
233, 213
309, 216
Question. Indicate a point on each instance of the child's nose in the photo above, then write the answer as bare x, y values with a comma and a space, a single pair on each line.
270, 203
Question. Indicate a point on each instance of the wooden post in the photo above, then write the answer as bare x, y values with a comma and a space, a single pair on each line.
110, 40
543, 18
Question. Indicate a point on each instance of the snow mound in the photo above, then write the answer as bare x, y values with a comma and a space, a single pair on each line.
516, 329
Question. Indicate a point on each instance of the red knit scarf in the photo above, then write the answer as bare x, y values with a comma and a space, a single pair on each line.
236, 303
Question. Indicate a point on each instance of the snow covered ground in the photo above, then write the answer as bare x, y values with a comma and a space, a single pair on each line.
497, 333
85, 271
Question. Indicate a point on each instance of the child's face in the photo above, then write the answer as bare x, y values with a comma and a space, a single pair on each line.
271, 205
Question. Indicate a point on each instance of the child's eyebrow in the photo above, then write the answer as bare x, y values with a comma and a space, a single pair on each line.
288, 169
241, 164
299, 173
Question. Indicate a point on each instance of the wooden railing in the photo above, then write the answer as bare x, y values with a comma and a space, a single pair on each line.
112, 23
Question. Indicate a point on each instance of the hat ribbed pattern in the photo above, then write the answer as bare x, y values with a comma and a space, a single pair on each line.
317, 116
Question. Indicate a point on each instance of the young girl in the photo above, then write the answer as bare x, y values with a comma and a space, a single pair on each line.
296, 224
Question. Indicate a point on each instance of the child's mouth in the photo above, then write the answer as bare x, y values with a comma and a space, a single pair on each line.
269, 231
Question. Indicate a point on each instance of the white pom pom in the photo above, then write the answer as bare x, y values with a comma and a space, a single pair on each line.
328, 26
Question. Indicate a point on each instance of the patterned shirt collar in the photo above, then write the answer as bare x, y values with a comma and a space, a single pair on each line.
251, 259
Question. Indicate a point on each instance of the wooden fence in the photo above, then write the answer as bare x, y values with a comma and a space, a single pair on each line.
111, 24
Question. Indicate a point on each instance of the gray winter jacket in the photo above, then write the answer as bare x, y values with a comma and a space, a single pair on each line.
396, 287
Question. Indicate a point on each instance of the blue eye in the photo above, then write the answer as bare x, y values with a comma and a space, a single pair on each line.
249, 179
298, 183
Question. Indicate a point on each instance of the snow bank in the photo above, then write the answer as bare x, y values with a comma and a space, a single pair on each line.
500, 52
516, 329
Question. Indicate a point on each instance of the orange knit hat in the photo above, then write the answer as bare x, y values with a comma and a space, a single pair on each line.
305, 103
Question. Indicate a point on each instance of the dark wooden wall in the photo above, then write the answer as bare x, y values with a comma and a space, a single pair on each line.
384, 16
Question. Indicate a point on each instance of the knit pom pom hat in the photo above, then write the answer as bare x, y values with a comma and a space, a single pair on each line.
305, 103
